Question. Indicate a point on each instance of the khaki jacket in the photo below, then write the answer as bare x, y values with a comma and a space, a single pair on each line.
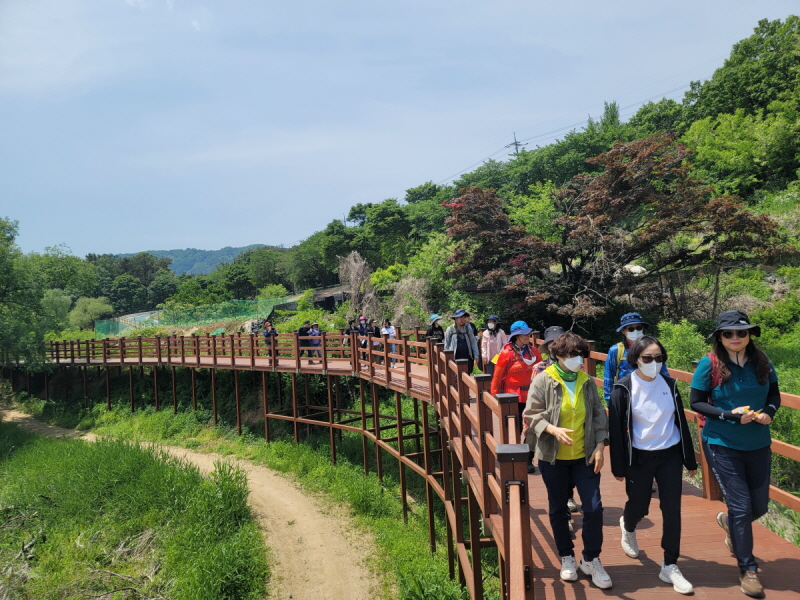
544, 408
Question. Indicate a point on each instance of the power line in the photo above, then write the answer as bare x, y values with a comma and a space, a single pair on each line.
550, 134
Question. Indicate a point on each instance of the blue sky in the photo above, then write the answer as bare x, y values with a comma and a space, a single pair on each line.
155, 124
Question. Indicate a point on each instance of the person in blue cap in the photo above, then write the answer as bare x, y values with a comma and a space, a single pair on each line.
459, 338
631, 326
435, 331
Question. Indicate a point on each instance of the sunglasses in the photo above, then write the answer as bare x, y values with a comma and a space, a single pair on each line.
646, 359
741, 333
575, 354
635, 328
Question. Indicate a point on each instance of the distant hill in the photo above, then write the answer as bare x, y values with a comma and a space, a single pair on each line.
199, 262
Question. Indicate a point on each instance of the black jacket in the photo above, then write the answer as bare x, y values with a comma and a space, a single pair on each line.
620, 425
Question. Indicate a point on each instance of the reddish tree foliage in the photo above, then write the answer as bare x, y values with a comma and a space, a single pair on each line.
644, 208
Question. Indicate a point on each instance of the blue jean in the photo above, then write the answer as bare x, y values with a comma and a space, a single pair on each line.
558, 479
743, 476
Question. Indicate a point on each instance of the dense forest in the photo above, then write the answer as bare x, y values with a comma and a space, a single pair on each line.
198, 262
685, 209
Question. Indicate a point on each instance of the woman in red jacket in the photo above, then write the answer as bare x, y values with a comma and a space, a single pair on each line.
512, 374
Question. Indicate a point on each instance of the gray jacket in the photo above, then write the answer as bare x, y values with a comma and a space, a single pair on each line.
451, 340
544, 408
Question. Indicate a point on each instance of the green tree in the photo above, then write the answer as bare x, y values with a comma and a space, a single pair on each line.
274, 290
88, 310
143, 266
59, 269
761, 69
128, 295
55, 309
164, 285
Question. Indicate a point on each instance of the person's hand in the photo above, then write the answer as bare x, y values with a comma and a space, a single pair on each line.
693, 473
747, 414
561, 434
598, 457
762, 417
524, 433
619, 478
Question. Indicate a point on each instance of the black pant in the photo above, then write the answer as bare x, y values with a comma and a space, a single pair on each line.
666, 466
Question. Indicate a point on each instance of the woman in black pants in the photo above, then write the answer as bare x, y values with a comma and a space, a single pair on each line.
649, 439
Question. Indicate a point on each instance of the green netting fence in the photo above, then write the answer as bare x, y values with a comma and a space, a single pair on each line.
224, 311
189, 317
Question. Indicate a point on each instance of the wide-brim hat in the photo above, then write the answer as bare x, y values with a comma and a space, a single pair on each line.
460, 313
550, 334
633, 318
735, 320
435, 317
494, 318
519, 328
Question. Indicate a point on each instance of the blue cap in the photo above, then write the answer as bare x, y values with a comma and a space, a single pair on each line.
434, 317
519, 328
460, 313
630, 319
494, 318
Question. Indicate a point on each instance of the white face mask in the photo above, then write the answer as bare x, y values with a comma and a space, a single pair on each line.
490, 325
649, 369
574, 363
633, 335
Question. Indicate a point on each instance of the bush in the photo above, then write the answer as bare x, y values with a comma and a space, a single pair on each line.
683, 342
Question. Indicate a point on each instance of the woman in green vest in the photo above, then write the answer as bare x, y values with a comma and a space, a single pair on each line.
571, 428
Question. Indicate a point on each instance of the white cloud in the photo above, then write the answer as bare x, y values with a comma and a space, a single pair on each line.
196, 24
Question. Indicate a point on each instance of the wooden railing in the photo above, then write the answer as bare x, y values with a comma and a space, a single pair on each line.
473, 439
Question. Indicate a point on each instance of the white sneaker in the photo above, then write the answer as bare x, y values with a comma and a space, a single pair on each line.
573, 508
599, 576
672, 574
629, 543
569, 570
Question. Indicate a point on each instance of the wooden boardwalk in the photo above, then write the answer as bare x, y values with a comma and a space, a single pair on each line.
705, 561
477, 431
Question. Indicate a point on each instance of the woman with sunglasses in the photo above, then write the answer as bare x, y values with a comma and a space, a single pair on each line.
631, 326
650, 439
736, 388
569, 422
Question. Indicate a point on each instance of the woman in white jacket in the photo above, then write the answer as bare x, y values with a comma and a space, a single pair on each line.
493, 339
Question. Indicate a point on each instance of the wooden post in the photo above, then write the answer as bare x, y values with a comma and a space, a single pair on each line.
108, 387
233, 353
331, 429
214, 352
324, 348
183, 350
174, 393
296, 341
591, 363
158, 350
155, 387
130, 384
711, 489
363, 425
196, 344
294, 404
252, 352
194, 389
266, 405
214, 393
401, 450
238, 407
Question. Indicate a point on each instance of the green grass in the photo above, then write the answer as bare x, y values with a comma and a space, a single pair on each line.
404, 554
106, 516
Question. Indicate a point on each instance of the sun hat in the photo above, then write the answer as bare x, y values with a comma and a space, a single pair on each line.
494, 318
362, 318
519, 328
735, 320
460, 313
632, 318
435, 317
550, 334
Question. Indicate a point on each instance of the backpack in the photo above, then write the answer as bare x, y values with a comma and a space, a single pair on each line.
620, 352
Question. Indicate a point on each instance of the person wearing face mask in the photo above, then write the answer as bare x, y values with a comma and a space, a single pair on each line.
649, 439
735, 387
493, 340
460, 338
512, 375
631, 325
571, 428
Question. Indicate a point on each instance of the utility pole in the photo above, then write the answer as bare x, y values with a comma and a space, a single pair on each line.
517, 145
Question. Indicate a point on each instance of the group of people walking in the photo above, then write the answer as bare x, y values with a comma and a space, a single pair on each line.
566, 425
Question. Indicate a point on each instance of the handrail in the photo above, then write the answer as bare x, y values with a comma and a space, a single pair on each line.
477, 430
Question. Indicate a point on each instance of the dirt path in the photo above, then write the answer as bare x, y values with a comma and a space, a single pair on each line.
313, 555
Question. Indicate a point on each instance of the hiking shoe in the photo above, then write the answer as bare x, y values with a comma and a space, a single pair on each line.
569, 570
722, 521
750, 584
599, 576
573, 508
629, 543
672, 574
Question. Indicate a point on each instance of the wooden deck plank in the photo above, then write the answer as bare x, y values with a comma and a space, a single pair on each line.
704, 561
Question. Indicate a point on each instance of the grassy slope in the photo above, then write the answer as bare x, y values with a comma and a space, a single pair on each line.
111, 516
